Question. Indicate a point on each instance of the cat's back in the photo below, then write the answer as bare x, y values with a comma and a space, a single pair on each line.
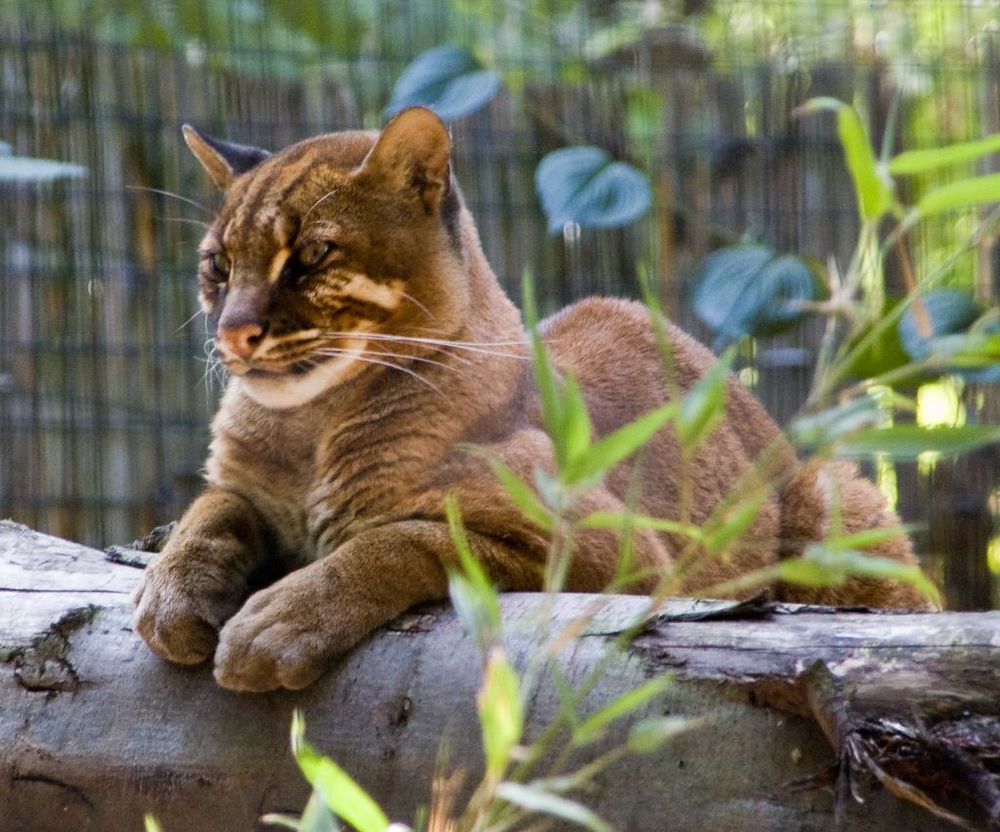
610, 346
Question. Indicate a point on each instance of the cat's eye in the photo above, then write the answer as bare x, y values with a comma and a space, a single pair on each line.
312, 254
221, 265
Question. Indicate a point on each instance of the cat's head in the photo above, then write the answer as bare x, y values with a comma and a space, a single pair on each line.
332, 255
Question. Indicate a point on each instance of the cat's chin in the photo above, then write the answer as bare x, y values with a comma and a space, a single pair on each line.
281, 391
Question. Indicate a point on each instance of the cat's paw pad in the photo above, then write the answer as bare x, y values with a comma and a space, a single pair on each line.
265, 647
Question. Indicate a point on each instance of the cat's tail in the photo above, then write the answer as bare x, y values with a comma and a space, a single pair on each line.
831, 498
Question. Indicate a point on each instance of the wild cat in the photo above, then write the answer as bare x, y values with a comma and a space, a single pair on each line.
368, 343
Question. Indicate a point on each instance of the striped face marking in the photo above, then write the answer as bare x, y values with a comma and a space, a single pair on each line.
315, 261
278, 264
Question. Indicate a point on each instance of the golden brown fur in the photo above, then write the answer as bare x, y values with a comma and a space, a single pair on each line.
332, 470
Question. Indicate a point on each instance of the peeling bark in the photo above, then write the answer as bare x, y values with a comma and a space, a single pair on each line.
806, 711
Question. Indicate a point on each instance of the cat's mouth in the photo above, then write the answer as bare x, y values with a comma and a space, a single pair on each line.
264, 369
298, 368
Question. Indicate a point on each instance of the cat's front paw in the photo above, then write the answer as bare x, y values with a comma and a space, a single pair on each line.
271, 643
287, 635
178, 612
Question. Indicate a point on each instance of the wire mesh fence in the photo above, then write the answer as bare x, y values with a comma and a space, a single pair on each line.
105, 398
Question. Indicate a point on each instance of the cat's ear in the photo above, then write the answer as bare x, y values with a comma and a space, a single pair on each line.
223, 161
413, 151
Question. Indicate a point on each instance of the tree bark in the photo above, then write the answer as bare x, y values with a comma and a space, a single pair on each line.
95, 730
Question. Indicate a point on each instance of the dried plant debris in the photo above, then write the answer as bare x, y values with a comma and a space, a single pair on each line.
139, 552
947, 762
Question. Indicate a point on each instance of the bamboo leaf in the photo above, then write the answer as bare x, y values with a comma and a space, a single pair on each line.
616, 446
501, 715
919, 161
704, 404
594, 725
826, 426
962, 193
343, 795
536, 799
624, 520
909, 441
316, 817
875, 194
648, 735
737, 521
523, 496
575, 431
821, 566
473, 595
545, 374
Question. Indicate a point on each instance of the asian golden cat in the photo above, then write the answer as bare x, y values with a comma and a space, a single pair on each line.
368, 343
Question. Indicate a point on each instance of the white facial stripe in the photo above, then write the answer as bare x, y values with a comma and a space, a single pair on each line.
286, 391
277, 264
361, 287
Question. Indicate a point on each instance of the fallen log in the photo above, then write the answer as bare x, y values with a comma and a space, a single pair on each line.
807, 711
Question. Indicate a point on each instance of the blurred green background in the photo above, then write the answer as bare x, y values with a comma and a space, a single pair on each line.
104, 398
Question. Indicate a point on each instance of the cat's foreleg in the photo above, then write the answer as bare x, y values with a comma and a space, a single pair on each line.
200, 578
287, 634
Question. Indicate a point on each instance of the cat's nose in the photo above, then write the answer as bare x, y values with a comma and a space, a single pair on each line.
241, 340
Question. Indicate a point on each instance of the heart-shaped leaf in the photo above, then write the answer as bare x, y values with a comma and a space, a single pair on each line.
948, 311
584, 185
448, 80
752, 290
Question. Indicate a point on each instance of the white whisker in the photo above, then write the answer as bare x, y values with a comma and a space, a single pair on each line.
186, 220
197, 205
417, 303
469, 346
334, 351
195, 315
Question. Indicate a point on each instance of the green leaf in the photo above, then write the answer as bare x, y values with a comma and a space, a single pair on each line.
583, 185
874, 193
963, 193
523, 496
821, 566
864, 539
446, 79
343, 795
616, 446
918, 161
151, 824
703, 406
752, 290
883, 352
21, 169
948, 311
545, 375
575, 430
316, 817
535, 799
737, 520
626, 520
825, 427
976, 355
909, 441
648, 735
501, 714
473, 595
594, 725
